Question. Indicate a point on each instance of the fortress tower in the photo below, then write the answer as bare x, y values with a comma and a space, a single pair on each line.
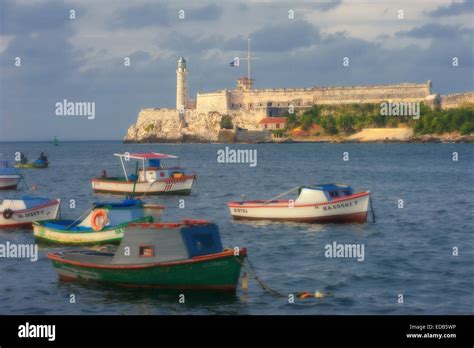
181, 85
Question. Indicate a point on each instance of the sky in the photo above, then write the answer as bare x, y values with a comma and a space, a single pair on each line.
79, 56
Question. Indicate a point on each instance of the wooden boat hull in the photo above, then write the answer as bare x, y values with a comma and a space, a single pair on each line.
161, 187
211, 272
9, 182
349, 209
112, 235
25, 217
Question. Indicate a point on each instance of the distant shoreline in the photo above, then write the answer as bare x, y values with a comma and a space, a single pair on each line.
367, 135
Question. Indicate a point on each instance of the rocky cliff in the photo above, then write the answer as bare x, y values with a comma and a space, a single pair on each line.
169, 126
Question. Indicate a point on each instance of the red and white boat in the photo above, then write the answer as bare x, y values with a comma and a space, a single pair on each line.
152, 178
24, 211
315, 204
9, 176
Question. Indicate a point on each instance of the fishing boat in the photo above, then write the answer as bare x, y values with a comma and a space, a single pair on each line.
104, 223
23, 211
40, 163
9, 176
182, 255
334, 203
56, 141
152, 178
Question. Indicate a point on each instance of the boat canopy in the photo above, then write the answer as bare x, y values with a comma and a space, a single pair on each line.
328, 187
322, 193
145, 155
124, 204
148, 243
153, 158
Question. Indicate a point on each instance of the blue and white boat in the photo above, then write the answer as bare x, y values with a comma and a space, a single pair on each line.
22, 212
9, 176
104, 223
333, 203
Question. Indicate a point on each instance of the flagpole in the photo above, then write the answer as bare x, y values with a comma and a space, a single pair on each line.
248, 63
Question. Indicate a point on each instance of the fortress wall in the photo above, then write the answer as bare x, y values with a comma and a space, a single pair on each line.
217, 101
247, 119
456, 100
331, 95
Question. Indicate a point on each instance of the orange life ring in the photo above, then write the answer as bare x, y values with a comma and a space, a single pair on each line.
98, 226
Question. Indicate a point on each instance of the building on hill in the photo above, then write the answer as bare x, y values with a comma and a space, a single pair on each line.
248, 106
269, 123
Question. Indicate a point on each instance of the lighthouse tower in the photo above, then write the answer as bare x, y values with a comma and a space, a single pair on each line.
181, 85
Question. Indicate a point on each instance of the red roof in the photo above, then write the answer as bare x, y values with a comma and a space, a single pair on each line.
146, 155
273, 120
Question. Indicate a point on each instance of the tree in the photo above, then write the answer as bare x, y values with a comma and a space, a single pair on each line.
467, 128
226, 122
291, 120
346, 123
329, 124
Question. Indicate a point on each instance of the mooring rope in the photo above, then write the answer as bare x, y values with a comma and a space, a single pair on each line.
87, 212
260, 282
265, 287
372, 209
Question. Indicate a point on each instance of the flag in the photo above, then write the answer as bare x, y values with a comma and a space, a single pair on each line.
235, 62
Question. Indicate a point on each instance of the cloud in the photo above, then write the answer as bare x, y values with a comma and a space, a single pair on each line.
327, 5
35, 17
286, 36
209, 12
157, 14
453, 9
434, 30
143, 16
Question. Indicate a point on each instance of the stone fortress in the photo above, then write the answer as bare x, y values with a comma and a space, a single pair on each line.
199, 120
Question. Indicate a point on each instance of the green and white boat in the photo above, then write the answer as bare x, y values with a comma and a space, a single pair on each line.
103, 224
183, 255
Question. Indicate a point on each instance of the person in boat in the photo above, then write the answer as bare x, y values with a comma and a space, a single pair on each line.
42, 160
43, 157
23, 159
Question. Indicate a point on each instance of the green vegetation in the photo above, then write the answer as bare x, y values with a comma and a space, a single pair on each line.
226, 122
149, 127
278, 133
444, 121
350, 118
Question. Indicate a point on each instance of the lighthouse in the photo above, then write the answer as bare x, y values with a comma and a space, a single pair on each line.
181, 85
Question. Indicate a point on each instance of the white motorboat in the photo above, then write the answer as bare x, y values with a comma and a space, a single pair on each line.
315, 204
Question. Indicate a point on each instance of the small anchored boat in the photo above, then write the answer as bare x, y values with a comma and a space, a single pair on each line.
315, 203
22, 212
103, 224
40, 163
183, 255
154, 178
9, 176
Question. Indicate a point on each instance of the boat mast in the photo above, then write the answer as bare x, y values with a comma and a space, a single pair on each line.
248, 61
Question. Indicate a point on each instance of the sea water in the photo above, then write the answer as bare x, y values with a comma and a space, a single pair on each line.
420, 247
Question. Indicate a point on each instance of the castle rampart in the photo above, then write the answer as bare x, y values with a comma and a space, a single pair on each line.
200, 118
